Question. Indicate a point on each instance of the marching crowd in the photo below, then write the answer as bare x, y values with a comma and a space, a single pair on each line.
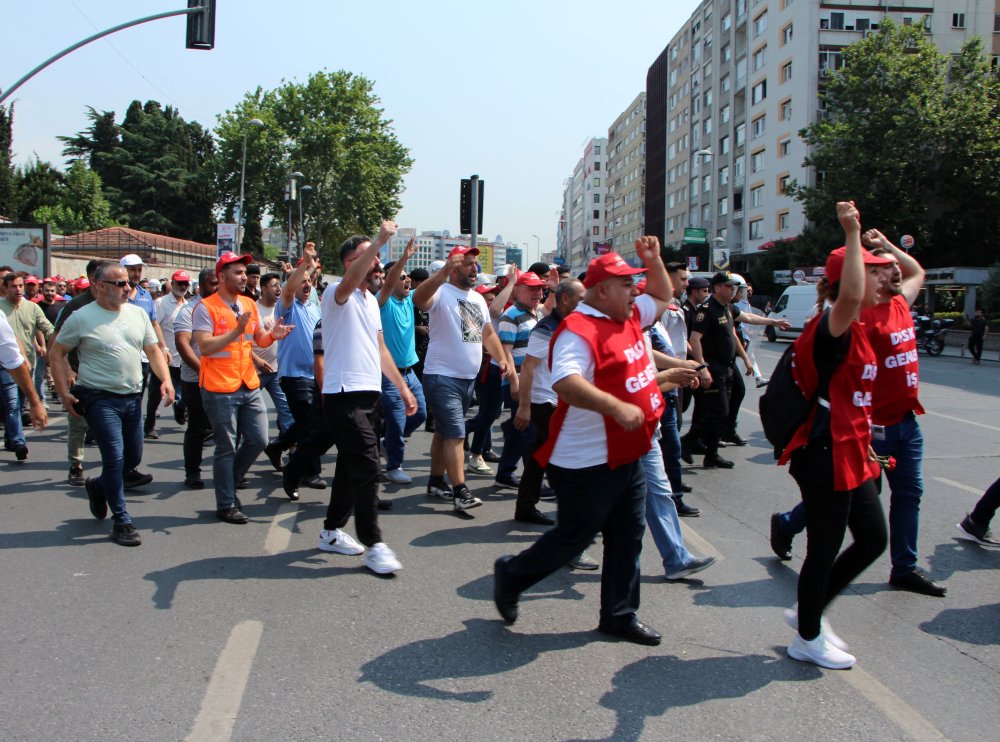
596, 373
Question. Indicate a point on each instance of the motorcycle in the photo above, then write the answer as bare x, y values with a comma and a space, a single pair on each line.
931, 334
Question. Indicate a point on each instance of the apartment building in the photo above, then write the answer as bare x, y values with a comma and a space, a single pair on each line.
435, 245
730, 92
626, 174
582, 225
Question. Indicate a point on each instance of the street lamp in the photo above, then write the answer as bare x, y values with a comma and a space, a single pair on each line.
538, 247
302, 225
290, 197
256, 123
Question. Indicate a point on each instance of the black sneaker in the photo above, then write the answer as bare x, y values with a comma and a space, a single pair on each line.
193, 483
151, 435
717, 462
232, 515
686, 489
466, 501
273, 454
180, 414
98, 502
491, 456
917, 581
507, 480
441, 492
969, 530
781, 542
21, 452
314, 482
75, 477
547, 493
135, 478
243, 484
684, 510
124, 534
733, 440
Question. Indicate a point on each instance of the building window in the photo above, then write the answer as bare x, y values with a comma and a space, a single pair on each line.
756, 196
958, 20
706, 183
723, 206
786, 110
756, 229
724, 114
760, 24
757, 127
783, 182
725, 54
786, 71
707, 97
759, 58
706, 213
707, 70
597, 182
782, 221
757, 161
786, 34
597, 198
837, 21
758, 92
597, 149
724, 82
597, 213
597, 231
741, 134
724, 146
996, 23
724, 176
785, 147
727, 21
597, 166
706, 126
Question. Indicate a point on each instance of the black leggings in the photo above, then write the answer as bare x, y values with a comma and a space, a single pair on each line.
826, 571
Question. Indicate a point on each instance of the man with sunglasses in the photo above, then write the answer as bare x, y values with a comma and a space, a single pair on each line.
109, 334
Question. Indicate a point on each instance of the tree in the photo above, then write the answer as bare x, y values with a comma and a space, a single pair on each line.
889, 143
6, 169
36, 184
331, 129
82, 206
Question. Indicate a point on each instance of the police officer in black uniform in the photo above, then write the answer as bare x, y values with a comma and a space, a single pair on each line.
697, 292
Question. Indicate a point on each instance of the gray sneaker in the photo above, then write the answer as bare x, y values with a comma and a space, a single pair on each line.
466, 502
695, 565
969, 530
583, 560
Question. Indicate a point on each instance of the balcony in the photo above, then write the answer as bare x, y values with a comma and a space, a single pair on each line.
738, 181
741, 20
739, 151
738, 215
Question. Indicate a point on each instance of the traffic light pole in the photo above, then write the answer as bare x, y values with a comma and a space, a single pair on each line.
474, 216
169, 14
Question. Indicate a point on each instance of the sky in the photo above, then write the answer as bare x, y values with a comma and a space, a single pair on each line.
509, 91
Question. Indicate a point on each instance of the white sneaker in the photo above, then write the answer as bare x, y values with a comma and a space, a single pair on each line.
381, 560
340, 542
398, 476
442, 493
820, 652
466, 502
792, 619
477, 465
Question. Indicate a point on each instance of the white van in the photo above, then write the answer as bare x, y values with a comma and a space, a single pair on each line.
795, 305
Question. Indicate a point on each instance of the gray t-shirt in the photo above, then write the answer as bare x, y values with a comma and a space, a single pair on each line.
109, 344
182, 323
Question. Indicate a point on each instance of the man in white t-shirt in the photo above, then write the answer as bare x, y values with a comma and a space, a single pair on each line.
609, 406
356, 358
459, 330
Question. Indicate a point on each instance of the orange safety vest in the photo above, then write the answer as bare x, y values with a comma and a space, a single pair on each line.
228, 369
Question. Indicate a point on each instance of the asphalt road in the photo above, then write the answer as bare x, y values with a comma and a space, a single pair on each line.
214, 631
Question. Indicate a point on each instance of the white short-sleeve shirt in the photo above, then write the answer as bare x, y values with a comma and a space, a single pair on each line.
10, 353
455, 321
353, 361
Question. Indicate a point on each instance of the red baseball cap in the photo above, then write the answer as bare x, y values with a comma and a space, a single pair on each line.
529, 279
228, 258
83, 283
641, 286
181, 276
31, 279
485, 289
835, 262
608, 266
463, 250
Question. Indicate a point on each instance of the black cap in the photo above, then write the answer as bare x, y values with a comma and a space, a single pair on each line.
722, 277
539, 269
419, 274
696, 282
253, 269
563, 269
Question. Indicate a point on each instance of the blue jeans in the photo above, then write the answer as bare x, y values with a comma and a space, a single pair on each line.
670, 444
242, 411
13, 433
661, 512
397, 425
115, 420
516, 443
285, 420
490, 406
39, 377
905, 442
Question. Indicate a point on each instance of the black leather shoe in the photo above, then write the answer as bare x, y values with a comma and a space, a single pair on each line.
547, 493
637, 633
273, 454
194, 483
314, 483
507, 480
491, 456
734, 440
503, 597
98, 502
289, 484
75, 477
686, 489
232, 515
917, 581
534, 516
243, 484
684, 510
717, 462
686, 456
383, 504
781, 543
135, 478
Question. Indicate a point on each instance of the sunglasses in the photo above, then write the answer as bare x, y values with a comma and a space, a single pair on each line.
119, 284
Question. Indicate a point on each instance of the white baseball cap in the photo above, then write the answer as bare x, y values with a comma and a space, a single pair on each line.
131, 259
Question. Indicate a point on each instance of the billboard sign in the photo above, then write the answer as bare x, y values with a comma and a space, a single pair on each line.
225, 238
25, 247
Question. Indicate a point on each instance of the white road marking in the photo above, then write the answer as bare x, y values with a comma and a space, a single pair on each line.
958, 485
899, 712
279, 534
963, 420
701, 546
225, 690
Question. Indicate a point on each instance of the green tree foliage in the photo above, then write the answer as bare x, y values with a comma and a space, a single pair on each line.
988, 295
331, 129
912, 137
82, 206
36, 184
6, 168
154, 169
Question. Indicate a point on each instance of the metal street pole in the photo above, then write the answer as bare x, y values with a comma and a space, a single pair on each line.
290, 197
538, 249
302, 225
474, 216
240, 219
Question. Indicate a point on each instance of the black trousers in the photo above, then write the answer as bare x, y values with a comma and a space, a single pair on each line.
712, 409
304, 403
736, 395
197, 427
530, 489
987, 506
593, 500
976, 346
829, 514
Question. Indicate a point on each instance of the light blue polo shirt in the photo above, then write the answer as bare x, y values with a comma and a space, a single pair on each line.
295, 352
398, 321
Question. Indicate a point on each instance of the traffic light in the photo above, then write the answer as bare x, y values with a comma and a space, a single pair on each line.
201, 26
465, 207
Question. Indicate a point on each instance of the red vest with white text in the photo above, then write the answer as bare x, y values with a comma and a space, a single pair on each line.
889, 328
623, 369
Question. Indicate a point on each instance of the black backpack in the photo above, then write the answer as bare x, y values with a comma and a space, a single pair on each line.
783, 406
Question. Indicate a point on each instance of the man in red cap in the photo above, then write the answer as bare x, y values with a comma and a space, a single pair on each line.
609, 406
225, 326
459, 330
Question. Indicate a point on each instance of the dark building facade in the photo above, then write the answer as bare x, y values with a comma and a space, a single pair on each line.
656, 147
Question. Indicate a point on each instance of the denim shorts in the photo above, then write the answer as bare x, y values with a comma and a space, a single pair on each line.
448, 400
